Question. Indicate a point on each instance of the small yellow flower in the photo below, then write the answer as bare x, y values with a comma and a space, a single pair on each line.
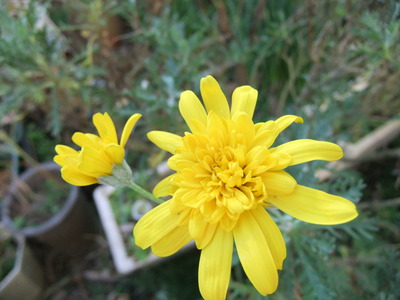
226, 175
99, 154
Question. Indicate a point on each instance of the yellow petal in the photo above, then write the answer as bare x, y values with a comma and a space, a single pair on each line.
162, 188
154, 225
68, 160
255, 160
278, 161
171, 242
215, 266
255, 255
197, 127
105, 127
227, 222
73, 176
190, 197
244, 99
94, 162
208, 234
244, 126
86, 139
59, 159
279, 183
126, 132
317, 207
266, 134
218, 130
272, 235
213, 97
235, 204
116, 153
306, 150
201, 231
72, 160
192, 110
165, 140
65, 150
285, 121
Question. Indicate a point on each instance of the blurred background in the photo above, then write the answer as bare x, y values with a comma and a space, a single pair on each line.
335, 63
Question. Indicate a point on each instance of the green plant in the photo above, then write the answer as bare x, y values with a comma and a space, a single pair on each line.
36, 71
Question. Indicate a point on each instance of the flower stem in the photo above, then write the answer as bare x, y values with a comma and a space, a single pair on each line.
144, 193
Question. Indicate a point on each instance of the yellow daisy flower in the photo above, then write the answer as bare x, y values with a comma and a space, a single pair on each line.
226, 175
99, 156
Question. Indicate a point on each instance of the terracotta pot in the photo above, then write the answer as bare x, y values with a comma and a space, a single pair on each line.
71, 229
25, 280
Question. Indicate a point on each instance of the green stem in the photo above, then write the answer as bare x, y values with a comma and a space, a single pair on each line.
144, 193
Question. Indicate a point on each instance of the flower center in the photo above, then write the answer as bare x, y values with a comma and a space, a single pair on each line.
217, 180
227, 171
231, 185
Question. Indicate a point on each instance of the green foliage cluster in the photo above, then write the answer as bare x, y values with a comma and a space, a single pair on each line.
335, 63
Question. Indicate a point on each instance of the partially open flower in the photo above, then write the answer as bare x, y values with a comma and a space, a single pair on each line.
100, 155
